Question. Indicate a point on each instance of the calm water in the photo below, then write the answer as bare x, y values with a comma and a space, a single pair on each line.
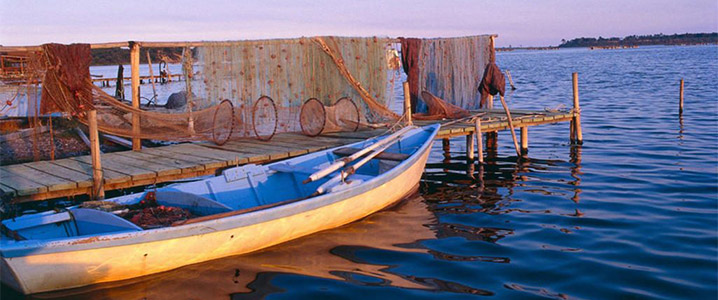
632, 213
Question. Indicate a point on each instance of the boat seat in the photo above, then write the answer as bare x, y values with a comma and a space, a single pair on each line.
75, 222
393, 156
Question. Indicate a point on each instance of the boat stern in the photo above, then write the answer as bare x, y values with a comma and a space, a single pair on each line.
8, 277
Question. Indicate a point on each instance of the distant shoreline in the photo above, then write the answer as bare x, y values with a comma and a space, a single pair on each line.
633, 41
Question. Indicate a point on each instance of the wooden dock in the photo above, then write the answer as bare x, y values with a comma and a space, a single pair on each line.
73, 176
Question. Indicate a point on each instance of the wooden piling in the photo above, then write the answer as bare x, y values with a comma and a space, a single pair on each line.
479, 140
511, 125
152, 78
524, 140
680, 97
470, 148
407, 104
511, 81
577, 134
135, 64
98, 190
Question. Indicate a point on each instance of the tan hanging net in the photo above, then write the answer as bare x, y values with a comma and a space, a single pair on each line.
240, 89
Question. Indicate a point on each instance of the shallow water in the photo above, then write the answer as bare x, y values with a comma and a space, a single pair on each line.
631, 213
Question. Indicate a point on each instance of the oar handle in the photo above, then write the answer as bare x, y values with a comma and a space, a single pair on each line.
335, 166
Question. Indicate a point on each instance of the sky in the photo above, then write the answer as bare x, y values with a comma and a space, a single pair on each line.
517, 22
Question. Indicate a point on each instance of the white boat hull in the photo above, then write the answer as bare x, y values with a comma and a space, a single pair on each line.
35, 273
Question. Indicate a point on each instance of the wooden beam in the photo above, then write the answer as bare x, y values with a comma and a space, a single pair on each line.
135, 64
511, 125
407, 103
680, 97
577, 111
524, 140
470, 147
479, 139
98, 189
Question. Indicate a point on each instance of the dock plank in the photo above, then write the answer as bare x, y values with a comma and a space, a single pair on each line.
222, 158
154, 166
174, 162
53, 183
81, 179
181, 151
110, 176
119, 165
21, 185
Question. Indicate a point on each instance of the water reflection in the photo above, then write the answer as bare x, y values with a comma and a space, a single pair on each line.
327, 255
374, 252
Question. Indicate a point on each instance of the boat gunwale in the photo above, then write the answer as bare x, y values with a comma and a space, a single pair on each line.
11, 249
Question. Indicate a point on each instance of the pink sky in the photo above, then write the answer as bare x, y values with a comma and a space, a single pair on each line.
518, 22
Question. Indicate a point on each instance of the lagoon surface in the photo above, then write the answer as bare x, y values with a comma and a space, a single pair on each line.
633, 212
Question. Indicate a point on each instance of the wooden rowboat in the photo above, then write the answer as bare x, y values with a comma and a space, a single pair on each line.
245, 209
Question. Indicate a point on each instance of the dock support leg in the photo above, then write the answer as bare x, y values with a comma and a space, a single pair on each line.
446, 146
524, 140
470, 148
135, 80
577, 135
98, 189
492, 142
479, 140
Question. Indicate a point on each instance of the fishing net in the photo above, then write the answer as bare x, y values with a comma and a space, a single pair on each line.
451, 68
236, 89
439, 109
315, 118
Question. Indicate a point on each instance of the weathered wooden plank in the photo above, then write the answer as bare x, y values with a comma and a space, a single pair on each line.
21, 185
273, 152
211, 151
154, 166
172, 161
53, 183
120, 166
110, 176
81, 179
7, 190
205, 160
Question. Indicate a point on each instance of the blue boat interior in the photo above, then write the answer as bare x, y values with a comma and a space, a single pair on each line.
239, 188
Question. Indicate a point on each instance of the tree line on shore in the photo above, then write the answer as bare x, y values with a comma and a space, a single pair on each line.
641, 40
116, 56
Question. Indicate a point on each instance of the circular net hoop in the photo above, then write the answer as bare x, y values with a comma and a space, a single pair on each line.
344, 114
223, 122
264, 118
312, 117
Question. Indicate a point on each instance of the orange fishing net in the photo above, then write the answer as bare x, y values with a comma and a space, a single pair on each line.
439, 109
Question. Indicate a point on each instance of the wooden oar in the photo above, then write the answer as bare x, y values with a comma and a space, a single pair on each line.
511, 126
350, 170
342, 162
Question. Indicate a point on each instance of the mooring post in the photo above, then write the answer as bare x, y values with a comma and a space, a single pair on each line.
680, 101
135, 79
407, 104
524, 140
479, 140
578, 135
98, 189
